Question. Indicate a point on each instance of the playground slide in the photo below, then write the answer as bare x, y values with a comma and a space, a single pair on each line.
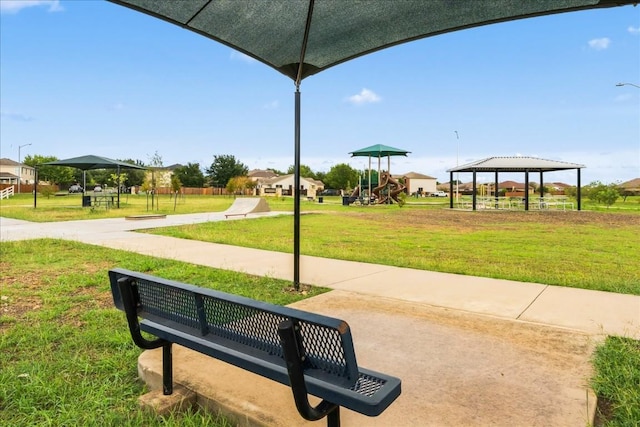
395, 189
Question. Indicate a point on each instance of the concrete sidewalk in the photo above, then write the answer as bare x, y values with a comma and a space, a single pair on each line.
470, 351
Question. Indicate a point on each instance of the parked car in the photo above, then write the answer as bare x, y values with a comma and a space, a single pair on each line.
97, 188
330, 192
75, 189
439, 194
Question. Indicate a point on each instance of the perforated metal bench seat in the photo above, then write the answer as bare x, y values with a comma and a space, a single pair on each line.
252, 335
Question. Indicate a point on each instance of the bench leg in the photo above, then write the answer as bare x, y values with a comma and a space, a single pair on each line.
290, 340
167, 370
333, 418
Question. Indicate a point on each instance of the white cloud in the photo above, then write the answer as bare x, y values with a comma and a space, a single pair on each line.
623, 97
365, 96
599, 44
239, 56
273, 105
18, 117
633, 30
15, 6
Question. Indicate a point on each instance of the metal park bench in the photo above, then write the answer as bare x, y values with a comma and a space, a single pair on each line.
312, 354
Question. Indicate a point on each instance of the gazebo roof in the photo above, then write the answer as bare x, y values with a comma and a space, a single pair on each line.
515, 164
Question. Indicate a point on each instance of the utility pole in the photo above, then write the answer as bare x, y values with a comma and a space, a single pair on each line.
20, 166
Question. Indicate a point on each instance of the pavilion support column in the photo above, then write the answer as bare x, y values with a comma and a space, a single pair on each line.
579, 192
451, 190
495, 189
541, 185
526, 189
474, 190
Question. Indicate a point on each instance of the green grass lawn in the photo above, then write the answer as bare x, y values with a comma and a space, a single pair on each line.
67, 359
66, 354
589, 250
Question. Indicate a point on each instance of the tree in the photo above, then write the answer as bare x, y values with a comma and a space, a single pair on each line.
342, 176
238, 184
305, 171
603, 193
134, 176
175, 188
60, 175
223, 168
190, 175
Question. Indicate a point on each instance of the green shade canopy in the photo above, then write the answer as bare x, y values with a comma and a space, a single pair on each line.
300, 38
379, 150
93, 162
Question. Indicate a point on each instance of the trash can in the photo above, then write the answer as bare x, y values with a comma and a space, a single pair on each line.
345, 200
320, 199
86, 201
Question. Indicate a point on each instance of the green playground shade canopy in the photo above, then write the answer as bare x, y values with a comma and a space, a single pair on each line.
379, 150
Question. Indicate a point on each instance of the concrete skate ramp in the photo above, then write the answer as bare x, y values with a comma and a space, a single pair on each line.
247, 205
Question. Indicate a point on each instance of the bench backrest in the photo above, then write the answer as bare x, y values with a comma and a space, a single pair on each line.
243, 324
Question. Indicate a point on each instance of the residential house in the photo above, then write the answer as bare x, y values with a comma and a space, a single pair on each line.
12, 171
284, 185
419, 183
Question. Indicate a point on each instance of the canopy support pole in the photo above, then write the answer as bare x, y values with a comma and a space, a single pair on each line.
35, 189
118, 186
296, 194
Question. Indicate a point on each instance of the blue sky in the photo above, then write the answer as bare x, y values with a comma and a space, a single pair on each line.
91, 77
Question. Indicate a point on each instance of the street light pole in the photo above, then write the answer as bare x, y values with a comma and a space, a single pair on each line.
20, 166
628, 84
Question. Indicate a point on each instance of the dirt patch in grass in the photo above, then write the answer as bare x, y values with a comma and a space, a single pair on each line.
422, 218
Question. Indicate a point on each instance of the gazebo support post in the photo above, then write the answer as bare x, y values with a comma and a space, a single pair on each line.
451, 190
541, 185
474, 190
526, 189
495, 190
579, 192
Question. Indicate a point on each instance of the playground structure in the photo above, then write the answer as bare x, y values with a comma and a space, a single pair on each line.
385, 191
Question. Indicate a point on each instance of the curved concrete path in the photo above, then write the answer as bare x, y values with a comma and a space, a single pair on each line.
470, 351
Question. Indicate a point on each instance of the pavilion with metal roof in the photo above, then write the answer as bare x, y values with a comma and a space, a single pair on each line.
517, 164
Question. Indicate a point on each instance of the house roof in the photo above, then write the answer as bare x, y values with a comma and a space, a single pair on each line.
261, 173
515, 164
8, 175
634, 183
277, 179
416, 175
8, 162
